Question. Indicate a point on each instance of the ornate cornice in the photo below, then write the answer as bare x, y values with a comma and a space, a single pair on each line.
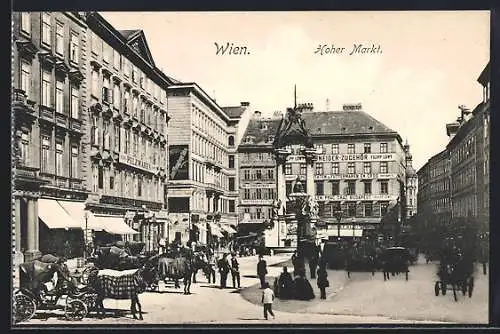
47, 59
75, 75
26, 49
95, 64
61, 68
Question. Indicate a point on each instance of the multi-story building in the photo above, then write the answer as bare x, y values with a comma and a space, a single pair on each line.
202, 193
411, 183
434, 205
127, 133
455, 183
49, 113
360, 170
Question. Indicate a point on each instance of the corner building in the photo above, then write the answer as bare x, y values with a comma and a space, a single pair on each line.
202, 193
360, 170
49, 145
127, 134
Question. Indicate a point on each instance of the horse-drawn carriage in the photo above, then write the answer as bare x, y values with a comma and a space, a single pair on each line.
360, 258
455, 272
33, 293
395, 261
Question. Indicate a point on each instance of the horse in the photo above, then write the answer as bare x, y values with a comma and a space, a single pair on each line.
120, 287
182, 266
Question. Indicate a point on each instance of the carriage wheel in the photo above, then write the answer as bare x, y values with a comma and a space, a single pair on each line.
471, 286
464, 288
443, 288
436, 288
348, 274
24, 308
454, 292
75, 310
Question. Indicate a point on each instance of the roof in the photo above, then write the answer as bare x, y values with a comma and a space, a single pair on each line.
137, 41
484, 77
234, 112
322, 123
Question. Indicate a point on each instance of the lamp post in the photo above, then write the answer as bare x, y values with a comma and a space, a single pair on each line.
299, 196
338, 216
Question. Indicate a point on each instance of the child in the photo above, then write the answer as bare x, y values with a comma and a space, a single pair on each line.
267, 300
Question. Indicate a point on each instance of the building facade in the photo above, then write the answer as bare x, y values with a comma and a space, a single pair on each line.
202, 193
411, 184
127, 132
49, 151
359, 169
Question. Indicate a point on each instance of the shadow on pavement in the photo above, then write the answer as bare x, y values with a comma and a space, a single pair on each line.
256, 319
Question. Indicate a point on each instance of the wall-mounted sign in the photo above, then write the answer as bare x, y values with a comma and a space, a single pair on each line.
259, 185
346, 157
365, 197
257, 201
387, 176
134, 162
179, 162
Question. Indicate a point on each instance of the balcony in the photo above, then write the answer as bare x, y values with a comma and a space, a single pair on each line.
76, 125
130, 202
20, 102
47, 114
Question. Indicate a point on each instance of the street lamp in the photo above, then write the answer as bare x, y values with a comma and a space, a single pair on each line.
338, 215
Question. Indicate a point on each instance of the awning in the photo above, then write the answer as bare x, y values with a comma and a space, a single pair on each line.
228, 229
201, 226
344, 233
54, 215
77, 211
115, 225
215, 230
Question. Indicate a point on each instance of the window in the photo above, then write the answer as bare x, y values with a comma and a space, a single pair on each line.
60, 38
45, 158
303, 169
134, 73
95, 83
107, 94
142, 79
384, 167
59, 158
367, 167
126, 99
335, 188
107, 53
75, 106
351, 187
74, 161
383, 147
46, 29
258, 193
116, 96
111, 180
384, 187
335, 168
246, 174
139, 186
320, 188
231, 161
24, 148
116, 140
288, 169
259, 213
270, 174
368, 187
368, 148
258, 174
26, 77
94, 132
246, 194
383, 208
368, 209
127, 141
335, 148
351, 168
116, 59
106, 135
100, 177
350, 149
74, 48
319, 169
231, 184
46, 89
232, 207
96, 44
60, 97
351, 210
26, 22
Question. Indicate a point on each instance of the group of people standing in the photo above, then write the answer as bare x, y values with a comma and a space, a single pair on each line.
225, 267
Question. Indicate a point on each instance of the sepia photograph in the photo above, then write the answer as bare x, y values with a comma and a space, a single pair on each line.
250, 168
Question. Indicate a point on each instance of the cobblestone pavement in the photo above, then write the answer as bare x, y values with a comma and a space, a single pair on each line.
210, 305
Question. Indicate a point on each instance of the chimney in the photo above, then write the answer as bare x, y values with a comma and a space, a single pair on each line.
452, 129
257, 114
245, 104
464, 113
305, 107
352, 106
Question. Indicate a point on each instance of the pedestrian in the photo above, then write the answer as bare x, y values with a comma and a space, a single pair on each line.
285, 285
224, 269
267, 300
235, 271
262, 271
322, 281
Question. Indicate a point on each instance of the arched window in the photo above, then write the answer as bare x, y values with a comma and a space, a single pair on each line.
231, 141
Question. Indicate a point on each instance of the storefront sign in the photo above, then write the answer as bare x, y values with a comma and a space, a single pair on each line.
359, 197
258, 185
344, 227
257, 201
134, 162
346, 157
387, 176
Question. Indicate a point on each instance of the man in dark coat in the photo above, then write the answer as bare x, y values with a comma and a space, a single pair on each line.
322, 281
224, 269
285, 284
262, 271
235, 271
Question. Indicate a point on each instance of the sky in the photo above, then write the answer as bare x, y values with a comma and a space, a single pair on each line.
428, 65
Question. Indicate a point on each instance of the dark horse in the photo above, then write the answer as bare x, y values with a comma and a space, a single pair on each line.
183, 266
117, 258
127, 286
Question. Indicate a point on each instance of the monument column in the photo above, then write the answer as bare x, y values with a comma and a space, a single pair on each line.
310, 155
280, 206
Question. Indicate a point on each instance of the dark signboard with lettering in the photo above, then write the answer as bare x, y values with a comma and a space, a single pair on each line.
178, 162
